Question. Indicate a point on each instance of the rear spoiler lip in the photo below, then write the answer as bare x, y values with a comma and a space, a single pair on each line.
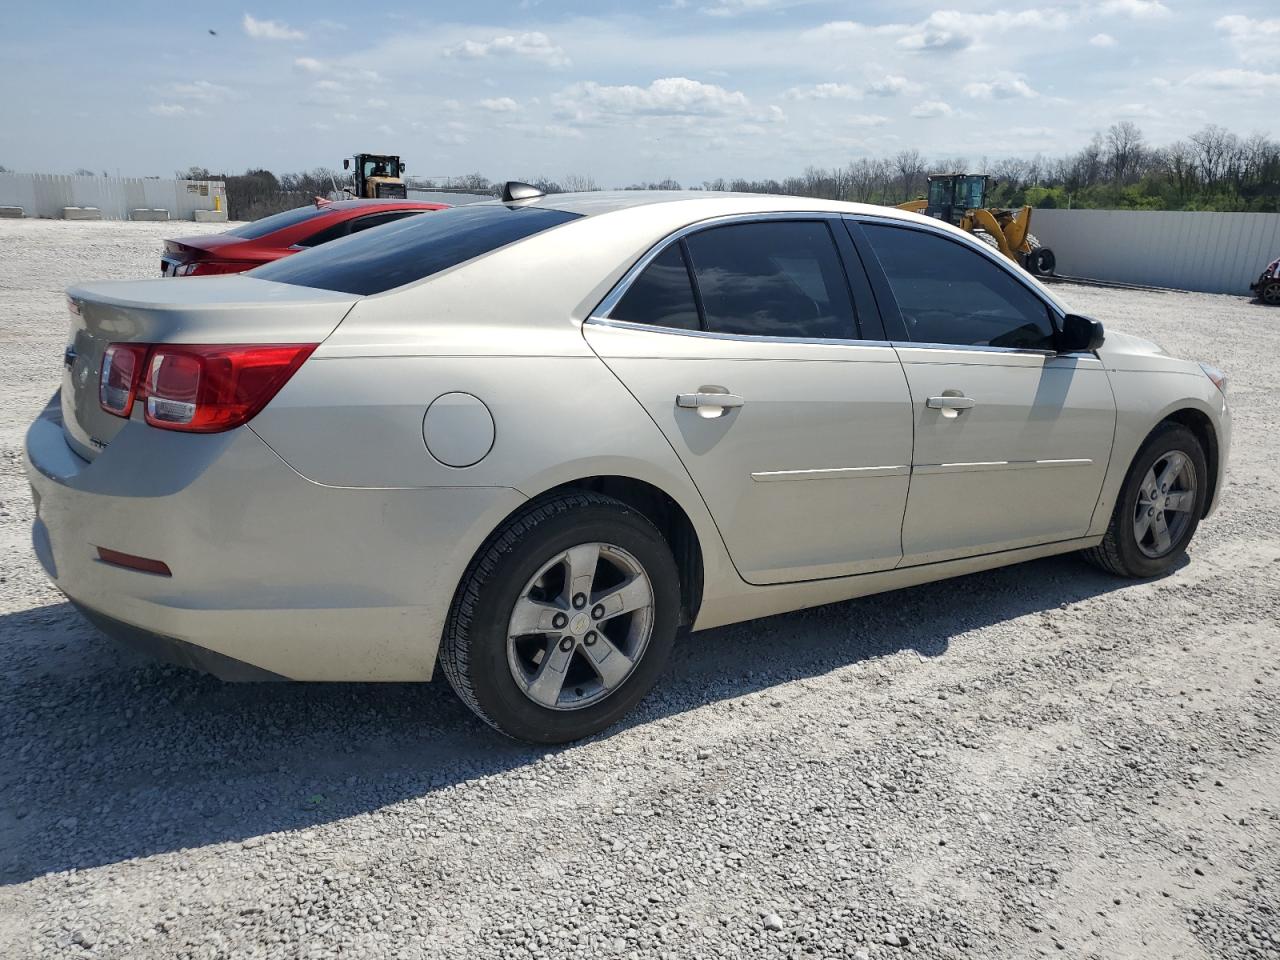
206, 293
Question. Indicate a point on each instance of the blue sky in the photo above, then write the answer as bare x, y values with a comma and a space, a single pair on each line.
690, 89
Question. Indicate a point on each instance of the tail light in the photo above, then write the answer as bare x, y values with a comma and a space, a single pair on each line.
203, 268
121, 367
198, 388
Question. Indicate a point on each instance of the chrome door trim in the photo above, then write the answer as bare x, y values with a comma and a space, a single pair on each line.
830, 473
742, 337
926, 469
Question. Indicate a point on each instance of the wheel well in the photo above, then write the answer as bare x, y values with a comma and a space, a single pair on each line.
1199, 424
668, 516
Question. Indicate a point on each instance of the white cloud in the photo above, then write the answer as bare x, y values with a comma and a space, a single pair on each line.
668, 97
946, 31
892, 85
1036, 133
865, 120
1137, 9
1010, 88
823, 91
929, 109
450, 138
1102, 40
270, 29
732, 8
167, 109
309, 65
199, 90
499, 105
530, 46
1247, 82
1140, 111
376, 103
1253, 40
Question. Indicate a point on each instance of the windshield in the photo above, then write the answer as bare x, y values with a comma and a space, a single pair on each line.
398, 253
277, 221
381, 167
969, 192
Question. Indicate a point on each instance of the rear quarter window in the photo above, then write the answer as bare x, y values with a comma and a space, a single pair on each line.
400, 253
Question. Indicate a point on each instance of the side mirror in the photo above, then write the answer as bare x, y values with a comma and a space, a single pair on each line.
346, 163
402, 166
1080, 334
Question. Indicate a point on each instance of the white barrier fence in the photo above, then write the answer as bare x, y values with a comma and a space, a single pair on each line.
45, 195
1209, 252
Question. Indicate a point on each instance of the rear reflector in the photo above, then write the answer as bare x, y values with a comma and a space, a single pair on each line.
199, 388
130, 562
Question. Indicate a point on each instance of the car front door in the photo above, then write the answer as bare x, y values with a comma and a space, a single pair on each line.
743, 343
1012, 439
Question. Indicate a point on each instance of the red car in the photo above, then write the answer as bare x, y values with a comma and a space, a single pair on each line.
279, 235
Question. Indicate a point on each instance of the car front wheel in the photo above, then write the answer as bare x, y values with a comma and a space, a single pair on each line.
1159, 506
564, 620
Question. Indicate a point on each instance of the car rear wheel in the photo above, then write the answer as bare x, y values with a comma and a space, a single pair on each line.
565, 619
1159, 506
1270, 293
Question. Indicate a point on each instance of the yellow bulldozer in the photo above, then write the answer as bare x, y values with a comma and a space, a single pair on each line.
376, 175
960, 200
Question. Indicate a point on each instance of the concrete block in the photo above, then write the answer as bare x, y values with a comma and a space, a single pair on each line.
210, 216
81, 213
11, 213
149, 213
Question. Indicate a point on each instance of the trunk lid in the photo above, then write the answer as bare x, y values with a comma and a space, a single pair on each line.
233, 309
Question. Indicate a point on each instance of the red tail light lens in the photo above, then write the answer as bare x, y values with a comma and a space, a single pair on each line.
207, 388
121, 367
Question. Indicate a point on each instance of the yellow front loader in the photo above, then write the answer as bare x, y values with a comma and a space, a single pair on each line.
960, 199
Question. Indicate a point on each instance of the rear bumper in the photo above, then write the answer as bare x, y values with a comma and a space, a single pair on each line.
271, 572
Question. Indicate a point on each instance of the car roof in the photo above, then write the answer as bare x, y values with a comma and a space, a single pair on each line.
609, 201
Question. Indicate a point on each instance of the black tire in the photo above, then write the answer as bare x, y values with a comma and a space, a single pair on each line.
1269, 293
1119, 552
1038, 259
473, 651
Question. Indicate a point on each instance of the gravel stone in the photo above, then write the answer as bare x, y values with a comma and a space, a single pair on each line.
1100, 756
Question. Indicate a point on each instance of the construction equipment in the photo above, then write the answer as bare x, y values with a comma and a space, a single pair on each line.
377, 176
960, 199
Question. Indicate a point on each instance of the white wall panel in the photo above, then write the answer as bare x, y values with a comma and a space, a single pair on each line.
1210, 252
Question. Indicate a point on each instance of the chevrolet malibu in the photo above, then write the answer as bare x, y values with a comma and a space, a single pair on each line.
531, 439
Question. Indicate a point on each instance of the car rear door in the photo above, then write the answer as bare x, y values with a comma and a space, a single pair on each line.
743, 342
1012, 439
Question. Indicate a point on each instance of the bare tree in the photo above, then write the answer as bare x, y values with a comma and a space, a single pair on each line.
1125, 148
578, 183
910, 167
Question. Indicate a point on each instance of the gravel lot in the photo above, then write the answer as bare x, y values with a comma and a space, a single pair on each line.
1037, 760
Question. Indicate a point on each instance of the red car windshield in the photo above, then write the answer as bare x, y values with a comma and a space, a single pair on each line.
278, 221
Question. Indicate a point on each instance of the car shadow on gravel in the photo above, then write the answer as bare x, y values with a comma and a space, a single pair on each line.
109, 756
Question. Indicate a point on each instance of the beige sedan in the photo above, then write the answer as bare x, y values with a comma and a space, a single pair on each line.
532, 439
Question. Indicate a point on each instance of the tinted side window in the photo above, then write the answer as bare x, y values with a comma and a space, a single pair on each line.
662, 295
950, 294
776, 278
379, 260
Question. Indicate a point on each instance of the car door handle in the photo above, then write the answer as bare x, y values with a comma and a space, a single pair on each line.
951, 403
708, 403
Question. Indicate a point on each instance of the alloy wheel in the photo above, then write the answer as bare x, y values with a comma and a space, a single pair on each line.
1165, 502
580, 626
